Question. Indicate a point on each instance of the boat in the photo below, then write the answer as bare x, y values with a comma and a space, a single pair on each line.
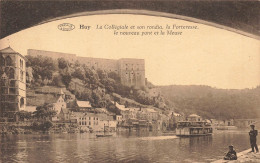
104, 135
193, 128
225, 127
168, 133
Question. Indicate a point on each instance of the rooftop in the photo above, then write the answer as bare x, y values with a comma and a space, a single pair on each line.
83, 104
9, 50
194, 115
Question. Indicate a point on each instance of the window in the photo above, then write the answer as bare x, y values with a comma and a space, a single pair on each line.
8, 61
4, 90
2, 61
12, 83
9, 72
21, 64
21, 75
22, 102
12, 91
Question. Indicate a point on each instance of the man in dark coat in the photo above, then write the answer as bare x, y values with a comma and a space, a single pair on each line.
253, 134
232, 154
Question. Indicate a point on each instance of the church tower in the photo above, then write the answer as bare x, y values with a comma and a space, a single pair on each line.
12, 82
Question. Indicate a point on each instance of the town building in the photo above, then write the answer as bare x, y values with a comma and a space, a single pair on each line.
93, 122
131, 71
177, 117
83, 105
127, 113
148, 114
64, 115
245, 123
194, 117
57, 104
12, 82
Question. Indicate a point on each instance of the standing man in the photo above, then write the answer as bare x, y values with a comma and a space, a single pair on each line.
253, 133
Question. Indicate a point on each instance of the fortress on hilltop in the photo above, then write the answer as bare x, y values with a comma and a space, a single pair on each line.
130, 70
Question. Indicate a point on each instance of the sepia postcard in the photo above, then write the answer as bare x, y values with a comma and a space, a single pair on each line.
131, 81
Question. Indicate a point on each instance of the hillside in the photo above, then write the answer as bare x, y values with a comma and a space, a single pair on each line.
99, 87
102, 88
214, 103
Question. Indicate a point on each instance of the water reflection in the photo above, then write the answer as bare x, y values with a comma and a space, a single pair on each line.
122, 147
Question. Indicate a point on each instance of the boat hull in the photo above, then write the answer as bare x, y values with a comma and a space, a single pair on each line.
195, 135
103, 135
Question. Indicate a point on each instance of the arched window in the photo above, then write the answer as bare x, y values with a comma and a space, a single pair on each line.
11, 73
8, 61
22, 102
2, 61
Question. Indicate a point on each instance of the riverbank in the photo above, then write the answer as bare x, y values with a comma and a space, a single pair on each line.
244, 156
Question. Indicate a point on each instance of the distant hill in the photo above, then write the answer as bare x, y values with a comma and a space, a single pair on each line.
212, 102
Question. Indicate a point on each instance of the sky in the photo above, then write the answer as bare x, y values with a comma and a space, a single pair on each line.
205, 56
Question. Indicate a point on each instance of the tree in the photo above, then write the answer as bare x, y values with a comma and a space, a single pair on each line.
43, 112
24, 115
42, 66
57, 81
101, 74
66, 78
97, 98
62, 63
114, 76
46, 125
79, 73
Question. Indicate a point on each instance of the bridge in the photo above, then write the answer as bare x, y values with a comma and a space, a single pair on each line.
241, 17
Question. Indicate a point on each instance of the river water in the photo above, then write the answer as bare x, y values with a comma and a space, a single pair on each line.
121, 147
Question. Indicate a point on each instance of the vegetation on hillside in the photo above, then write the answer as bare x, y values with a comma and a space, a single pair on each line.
204, 100
214, 103
96, 86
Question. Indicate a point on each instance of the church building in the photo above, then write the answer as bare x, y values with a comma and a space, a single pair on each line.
12, 82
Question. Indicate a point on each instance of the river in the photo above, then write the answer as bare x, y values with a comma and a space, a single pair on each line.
121, 147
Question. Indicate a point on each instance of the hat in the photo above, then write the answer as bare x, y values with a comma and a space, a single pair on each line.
252, 125
231, 146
